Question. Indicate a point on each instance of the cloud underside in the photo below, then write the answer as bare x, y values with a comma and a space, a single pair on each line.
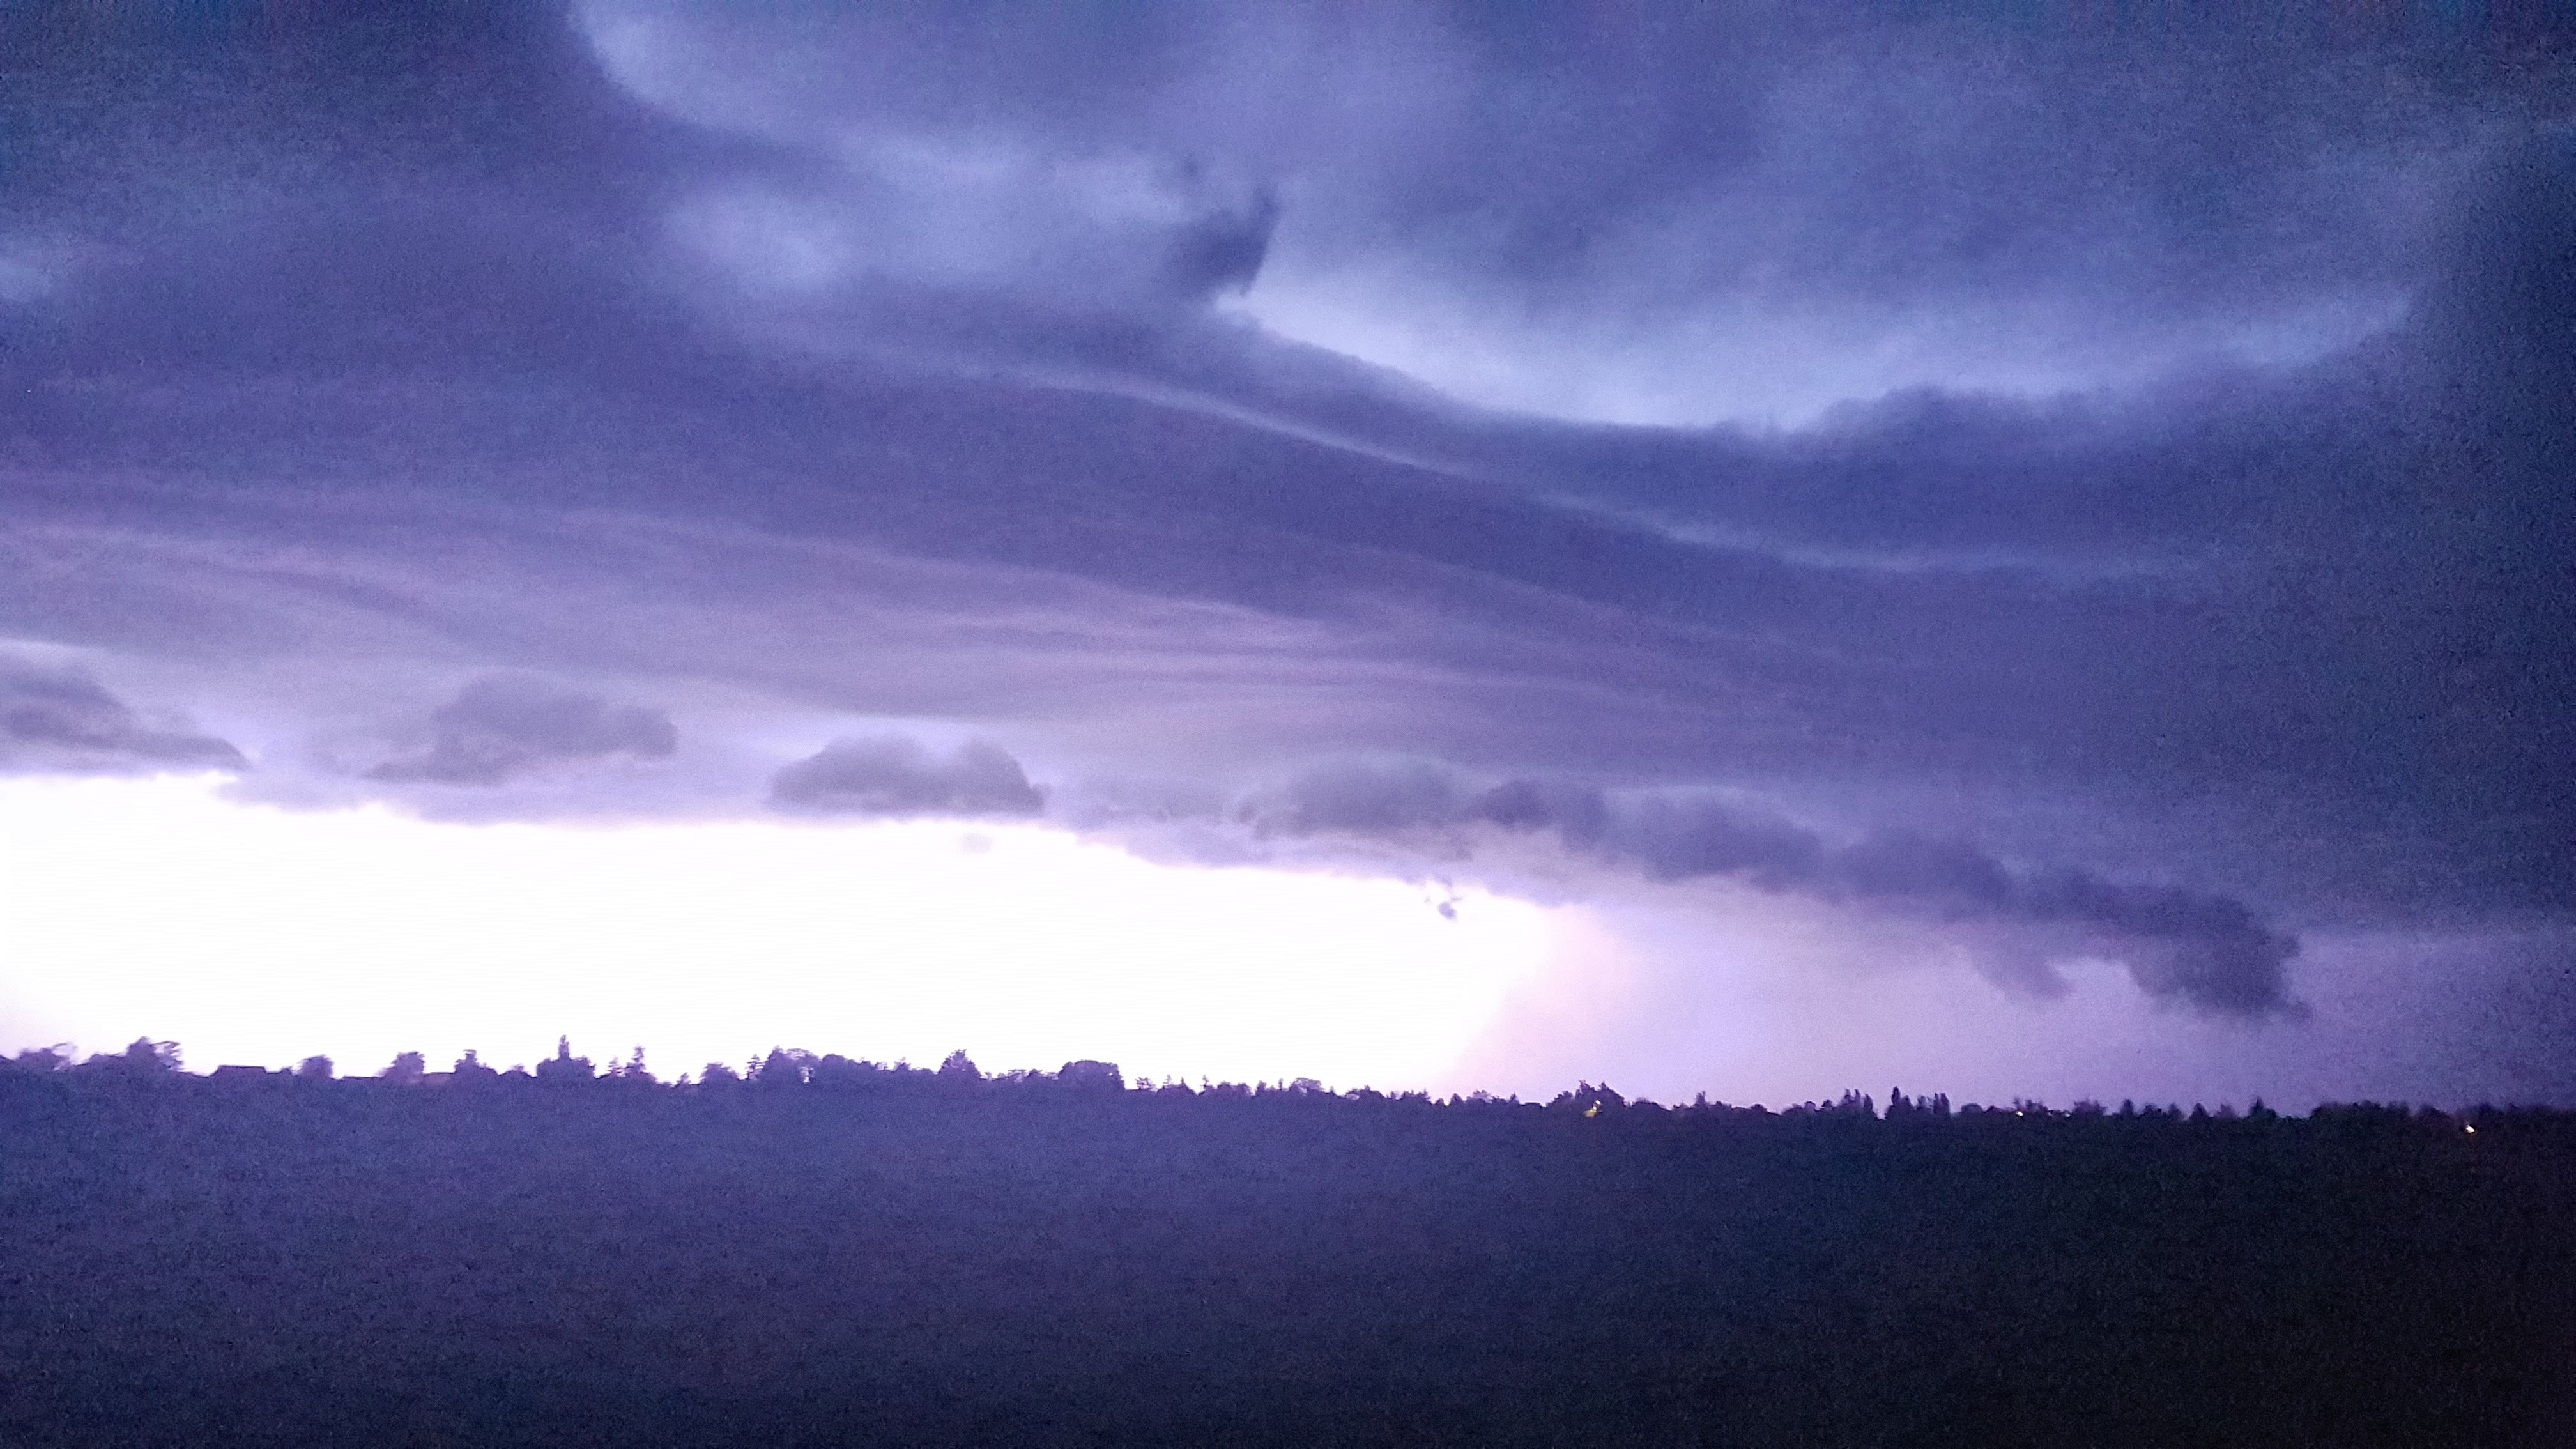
61, 720
871, 383
2208, 950
499, 728
896, 776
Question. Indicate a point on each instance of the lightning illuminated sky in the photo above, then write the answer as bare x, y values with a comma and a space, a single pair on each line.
1748, 548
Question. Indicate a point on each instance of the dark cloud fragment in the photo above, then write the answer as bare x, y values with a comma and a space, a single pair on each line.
2212, 952
1222, 249
1578, 814
500, 728
2209, 950
895, 775
1364, 797
61, 719
1682, 839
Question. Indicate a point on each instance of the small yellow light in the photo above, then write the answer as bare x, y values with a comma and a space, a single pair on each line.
2472, 1131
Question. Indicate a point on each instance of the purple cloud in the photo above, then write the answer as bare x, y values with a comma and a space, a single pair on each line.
892, 775
2165, 534
502, 727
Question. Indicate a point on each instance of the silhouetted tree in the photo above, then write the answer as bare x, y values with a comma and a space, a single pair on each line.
54, 1058
783, 1067
1092, 1076
313, 1069
1588, 1101
839, 1073
407, 1067
144, 1057
563, 1066
470, 1070
960, 1067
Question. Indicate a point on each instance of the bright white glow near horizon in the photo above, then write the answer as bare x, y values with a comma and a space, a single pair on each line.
253, 934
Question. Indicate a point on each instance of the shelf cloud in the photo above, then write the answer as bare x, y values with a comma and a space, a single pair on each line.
2105, 479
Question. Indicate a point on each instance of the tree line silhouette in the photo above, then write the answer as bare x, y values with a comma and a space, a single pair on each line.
811, 1249
147, 1060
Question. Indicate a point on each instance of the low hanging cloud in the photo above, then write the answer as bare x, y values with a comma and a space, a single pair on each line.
55, 719
893, 775
2211, 952
503, 727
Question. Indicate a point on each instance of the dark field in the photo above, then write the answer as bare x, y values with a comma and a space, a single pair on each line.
935, 1263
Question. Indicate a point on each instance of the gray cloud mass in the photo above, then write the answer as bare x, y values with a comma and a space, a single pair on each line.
2208, 950
892, 775
60, 719
498, 728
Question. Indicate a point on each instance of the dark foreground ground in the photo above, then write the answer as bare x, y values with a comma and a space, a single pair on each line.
190, 1263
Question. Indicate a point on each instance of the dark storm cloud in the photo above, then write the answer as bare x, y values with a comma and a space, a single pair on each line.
2208, 950
895, 775
500, 728
1853, 197
874, 365
58, 719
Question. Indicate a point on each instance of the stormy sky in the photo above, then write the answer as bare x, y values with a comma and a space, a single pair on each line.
2010, 544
